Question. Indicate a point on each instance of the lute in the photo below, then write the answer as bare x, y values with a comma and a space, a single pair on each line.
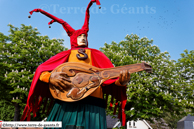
85, 79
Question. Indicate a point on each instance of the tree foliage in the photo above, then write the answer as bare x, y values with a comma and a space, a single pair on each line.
20, 54
149, 95
185, 69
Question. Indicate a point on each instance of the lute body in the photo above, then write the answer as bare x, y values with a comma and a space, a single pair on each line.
85, 79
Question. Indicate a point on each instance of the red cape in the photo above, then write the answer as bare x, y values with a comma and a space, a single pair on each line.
40, 90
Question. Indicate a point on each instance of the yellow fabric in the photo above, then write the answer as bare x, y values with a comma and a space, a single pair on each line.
45, 76
72, 58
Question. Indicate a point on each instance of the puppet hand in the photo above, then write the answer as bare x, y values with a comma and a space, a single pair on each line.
58, 80
124, 78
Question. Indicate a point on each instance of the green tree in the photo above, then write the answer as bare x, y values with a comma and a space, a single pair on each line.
20, 54
185, 71
149, 95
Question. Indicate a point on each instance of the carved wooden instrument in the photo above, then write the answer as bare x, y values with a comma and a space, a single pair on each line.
85, 79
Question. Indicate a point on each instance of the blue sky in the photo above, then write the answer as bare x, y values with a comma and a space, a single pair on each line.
168, 22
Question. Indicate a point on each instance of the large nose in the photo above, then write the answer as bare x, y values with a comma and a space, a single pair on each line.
82, 37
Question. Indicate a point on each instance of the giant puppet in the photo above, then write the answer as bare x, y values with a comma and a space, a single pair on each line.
89, 112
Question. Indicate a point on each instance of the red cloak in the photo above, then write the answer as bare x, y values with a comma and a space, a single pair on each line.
39, 90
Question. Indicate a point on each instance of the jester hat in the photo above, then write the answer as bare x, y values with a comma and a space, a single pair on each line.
72, 33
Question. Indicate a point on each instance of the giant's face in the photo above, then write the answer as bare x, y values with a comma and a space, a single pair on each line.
81, 40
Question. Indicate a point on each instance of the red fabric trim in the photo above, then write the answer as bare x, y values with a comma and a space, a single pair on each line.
97, 1
111, 103
29, 116
25, 112
51, 22
35, 107
65, 25
123, 103
115, 108
123, 112
39, 103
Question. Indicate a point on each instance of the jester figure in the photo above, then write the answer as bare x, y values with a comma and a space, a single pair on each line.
88, 113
